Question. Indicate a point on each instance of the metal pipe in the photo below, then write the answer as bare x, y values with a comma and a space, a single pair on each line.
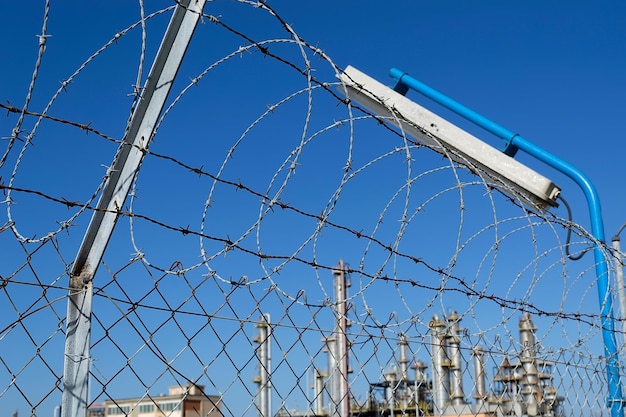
390, 390
479, 375
403, 361
119, 180
318, 390
419, 384
515, 141
530, 377
405, 79
264, 379
441, 377
615, 400
331, 381
456, 372
341, 406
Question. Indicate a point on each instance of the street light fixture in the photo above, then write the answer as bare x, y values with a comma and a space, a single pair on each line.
442, 136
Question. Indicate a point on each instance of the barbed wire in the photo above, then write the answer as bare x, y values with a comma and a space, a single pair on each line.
423, 231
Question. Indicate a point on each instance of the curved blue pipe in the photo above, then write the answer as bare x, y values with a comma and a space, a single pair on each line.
514, 142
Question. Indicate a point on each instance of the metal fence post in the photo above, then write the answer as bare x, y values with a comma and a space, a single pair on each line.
619, 280
119, 180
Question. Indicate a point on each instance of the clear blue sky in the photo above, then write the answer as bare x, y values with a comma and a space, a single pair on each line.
551, 71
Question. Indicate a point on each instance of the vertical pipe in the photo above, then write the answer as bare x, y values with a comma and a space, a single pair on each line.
403, 389
331, 382
119, 180
264, 380
515, 141
530, 376
342, 408
441, 378
456, 372
318, 389
403, 361
479, 375
391, 383
419, 383
615, 400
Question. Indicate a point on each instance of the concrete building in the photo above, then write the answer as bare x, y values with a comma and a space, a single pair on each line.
181, 401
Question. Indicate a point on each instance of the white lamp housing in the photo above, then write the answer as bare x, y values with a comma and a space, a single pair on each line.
443, 136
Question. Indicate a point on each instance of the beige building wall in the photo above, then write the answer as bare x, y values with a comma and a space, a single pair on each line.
181, 401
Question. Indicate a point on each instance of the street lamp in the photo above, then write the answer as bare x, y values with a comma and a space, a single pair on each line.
534, 188
442, 136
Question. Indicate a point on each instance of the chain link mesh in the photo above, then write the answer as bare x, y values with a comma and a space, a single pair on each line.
269, 235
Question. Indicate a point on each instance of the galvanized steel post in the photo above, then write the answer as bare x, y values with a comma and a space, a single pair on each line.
619, 280
119, 180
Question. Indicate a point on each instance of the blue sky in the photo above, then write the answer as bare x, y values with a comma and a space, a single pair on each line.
550, 72
553, 72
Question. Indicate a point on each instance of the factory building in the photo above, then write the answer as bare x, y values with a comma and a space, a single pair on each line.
181, 401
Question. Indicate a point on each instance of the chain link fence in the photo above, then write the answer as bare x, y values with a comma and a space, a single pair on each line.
282, 252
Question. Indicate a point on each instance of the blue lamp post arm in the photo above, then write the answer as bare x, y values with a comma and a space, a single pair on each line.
513, 143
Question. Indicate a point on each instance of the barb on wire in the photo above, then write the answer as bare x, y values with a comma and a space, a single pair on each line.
277, 237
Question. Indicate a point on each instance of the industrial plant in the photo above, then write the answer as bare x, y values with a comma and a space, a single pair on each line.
521, 385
